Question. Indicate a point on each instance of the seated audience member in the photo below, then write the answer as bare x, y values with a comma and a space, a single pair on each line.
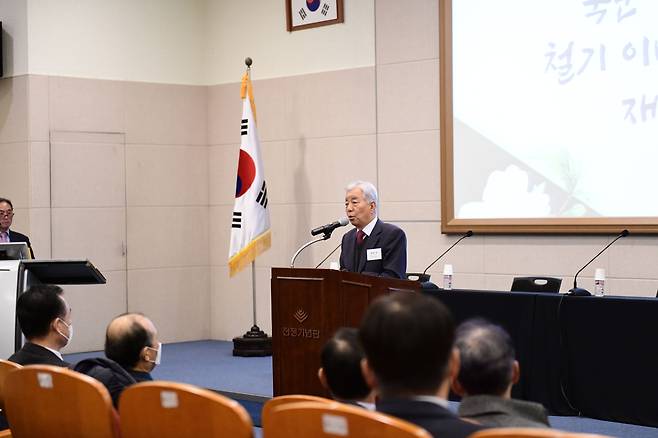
45, 320
341, 369
486, 375
408, 341
132, 351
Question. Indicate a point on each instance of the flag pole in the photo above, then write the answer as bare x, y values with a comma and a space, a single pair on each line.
253, 290
255, 342
248, 61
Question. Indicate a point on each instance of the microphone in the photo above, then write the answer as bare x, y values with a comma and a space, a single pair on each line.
424, 277
329, 228
580, 292
326, 231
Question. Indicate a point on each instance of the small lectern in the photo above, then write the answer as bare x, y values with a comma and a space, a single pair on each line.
17, 274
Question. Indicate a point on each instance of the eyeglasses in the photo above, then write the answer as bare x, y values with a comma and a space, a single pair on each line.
6, 212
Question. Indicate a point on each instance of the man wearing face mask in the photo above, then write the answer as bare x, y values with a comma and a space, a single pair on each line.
45, 320
132, 351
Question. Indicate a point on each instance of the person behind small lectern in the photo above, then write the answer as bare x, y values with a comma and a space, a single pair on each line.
6, 218
373, 246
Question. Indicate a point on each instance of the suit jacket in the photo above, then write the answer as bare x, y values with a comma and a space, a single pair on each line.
499, 412
33, 354
111, 374
437, 420
18, 237
393, 244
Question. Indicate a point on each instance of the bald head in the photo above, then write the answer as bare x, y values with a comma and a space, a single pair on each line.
127, 337
123, 324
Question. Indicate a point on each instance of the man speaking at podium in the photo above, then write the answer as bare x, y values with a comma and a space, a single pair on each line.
372, 247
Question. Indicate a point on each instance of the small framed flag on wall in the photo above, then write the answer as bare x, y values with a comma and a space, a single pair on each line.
303, 14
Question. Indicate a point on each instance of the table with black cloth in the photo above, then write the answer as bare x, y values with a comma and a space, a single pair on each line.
592, 356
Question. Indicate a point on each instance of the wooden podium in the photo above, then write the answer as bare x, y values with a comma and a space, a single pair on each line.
308, 305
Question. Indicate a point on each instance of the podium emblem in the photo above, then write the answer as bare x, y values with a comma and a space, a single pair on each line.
300, 315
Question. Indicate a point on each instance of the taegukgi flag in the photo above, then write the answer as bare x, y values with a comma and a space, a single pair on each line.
250, 232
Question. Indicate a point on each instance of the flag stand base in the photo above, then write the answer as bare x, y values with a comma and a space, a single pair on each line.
254, 343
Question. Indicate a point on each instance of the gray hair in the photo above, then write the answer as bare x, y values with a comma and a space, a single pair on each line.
369, 190
487, 357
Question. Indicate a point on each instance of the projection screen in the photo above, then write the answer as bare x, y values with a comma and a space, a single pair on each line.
549, 116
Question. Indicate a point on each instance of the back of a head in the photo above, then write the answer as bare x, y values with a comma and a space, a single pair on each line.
125, 338
407, 338
341, 360
37, 307
486, 358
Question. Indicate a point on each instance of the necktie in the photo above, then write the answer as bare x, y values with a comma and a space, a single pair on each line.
4, 237
360, 235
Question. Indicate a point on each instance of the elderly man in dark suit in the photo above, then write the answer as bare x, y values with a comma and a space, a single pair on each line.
6, 218
372, 247
410, 360
45, 320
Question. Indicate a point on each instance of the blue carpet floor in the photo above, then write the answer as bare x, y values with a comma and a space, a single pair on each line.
210, 364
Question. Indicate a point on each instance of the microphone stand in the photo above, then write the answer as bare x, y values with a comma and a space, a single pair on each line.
424, 278
307, 244
424, 274
579, 291
329, 255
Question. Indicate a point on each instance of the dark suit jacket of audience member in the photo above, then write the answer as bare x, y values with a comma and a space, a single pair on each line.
393, 244
18, 237
112, 375
437, 420
33, 354
494, 411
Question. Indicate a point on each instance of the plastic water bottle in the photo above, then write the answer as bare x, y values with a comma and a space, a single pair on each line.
447, 277
599, 282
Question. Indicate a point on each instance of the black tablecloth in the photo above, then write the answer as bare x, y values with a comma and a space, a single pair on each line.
578, 355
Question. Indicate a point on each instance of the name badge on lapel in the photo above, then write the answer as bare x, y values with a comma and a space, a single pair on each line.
374, 254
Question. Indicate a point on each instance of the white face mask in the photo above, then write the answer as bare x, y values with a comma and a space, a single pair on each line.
158, 354
70, 330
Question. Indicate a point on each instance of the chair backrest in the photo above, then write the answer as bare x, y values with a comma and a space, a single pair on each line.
167, 409
528, 432
5, 367
318, 420
536, 284
286, 399
49, 402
